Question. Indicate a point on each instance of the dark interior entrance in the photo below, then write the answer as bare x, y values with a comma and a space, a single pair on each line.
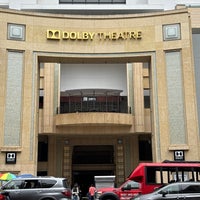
89, 161
86, 178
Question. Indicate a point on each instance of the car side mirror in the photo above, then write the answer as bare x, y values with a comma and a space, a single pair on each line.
128, 187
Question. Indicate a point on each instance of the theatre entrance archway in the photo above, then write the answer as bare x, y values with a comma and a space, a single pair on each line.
78, 160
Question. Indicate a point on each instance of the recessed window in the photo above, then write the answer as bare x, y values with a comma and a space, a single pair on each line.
42, 151
16, 32
145, 151
146, 98
41, 99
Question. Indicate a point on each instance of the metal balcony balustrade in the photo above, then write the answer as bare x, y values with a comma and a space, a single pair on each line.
92, 1
93, 100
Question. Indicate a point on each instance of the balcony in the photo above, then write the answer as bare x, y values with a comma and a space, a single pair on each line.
94, 119
92, 1
93, 100
93, 107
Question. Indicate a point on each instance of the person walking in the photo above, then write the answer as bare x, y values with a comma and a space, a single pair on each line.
92, 191
75, 192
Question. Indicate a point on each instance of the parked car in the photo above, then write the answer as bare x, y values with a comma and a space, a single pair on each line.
38, 188
178, 190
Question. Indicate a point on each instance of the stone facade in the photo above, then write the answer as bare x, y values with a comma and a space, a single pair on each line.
33, 46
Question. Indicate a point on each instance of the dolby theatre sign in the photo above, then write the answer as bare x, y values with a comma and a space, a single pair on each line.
84, 36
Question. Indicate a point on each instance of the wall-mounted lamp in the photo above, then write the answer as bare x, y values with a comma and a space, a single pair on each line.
66, 142
119, 141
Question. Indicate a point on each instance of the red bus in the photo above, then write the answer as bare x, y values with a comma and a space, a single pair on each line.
154, 175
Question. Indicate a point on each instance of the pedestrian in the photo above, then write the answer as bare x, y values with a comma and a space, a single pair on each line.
92, 191
75, 192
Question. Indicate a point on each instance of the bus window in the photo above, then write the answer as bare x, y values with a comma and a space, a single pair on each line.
159, 175
151, 175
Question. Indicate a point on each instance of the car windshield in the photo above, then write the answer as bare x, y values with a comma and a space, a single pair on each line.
132, 185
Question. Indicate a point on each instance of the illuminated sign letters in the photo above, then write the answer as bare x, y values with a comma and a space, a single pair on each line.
84, 36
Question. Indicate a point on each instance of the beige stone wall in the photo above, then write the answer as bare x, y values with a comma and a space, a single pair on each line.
149, 47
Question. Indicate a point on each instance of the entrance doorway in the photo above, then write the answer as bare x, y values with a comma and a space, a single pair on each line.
90, 161
86, 178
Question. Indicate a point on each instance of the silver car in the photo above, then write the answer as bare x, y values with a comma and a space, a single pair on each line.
38, 188
174, 191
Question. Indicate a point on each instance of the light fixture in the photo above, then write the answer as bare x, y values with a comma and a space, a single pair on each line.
119, 141
66, 142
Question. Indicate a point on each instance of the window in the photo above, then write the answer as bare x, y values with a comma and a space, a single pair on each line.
174, 189
145, 152
42, 151
146, 98
190, 188
42, 173
132, 185
41, 99
47, 183
15, 184
31, 184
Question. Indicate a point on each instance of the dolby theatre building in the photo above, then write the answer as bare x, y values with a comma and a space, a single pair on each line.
85, 95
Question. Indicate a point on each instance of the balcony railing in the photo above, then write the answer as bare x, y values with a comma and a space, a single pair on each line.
92, 1
93, 101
